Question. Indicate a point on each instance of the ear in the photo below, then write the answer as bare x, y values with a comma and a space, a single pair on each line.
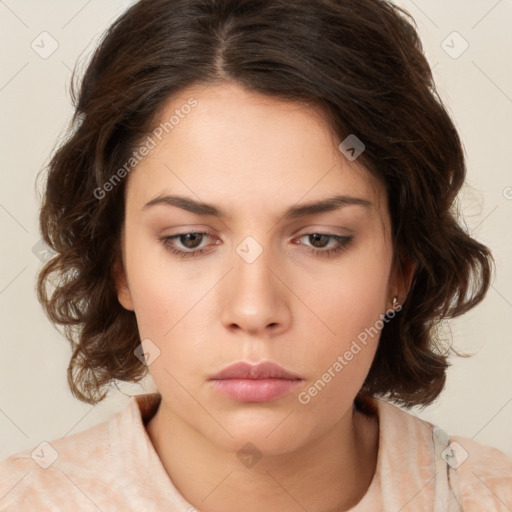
121, 283
403, 275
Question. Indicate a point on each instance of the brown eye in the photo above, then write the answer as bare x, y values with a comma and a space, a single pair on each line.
188, 241
320, 242
319, 239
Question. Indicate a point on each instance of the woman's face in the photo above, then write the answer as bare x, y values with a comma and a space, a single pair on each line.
261, 286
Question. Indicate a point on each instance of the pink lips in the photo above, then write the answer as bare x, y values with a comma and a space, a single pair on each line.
255, 383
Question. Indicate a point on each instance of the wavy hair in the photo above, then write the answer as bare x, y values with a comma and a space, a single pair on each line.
359, 61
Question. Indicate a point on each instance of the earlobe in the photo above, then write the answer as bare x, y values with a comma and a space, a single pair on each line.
121, 284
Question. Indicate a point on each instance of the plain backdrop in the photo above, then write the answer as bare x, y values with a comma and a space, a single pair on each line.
468, 44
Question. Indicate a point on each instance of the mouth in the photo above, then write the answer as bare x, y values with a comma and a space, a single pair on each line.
263, 382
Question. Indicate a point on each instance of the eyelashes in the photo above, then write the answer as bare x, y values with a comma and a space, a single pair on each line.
341, 243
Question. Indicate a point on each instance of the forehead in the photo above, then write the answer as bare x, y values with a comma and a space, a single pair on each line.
224, 143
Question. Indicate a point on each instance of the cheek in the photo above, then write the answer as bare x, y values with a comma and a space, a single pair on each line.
159, 296
154, 305
354, 292
340, 362
168, 308
165, 315
349, 303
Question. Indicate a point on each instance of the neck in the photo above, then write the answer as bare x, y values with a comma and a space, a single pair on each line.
338, 468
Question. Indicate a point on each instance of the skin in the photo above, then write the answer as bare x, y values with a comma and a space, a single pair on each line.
254, 156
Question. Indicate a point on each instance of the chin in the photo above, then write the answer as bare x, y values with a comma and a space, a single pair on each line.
268, 435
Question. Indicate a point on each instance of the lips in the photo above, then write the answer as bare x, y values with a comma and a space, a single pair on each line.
263, 382
265, 370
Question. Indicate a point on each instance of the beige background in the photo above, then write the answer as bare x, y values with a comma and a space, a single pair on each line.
35, 403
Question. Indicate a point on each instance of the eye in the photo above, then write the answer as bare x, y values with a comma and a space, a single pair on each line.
189, 240
341, 243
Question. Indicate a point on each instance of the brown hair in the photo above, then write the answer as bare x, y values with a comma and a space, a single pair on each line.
360, 61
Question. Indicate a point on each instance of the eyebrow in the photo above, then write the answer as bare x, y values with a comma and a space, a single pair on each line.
325, 205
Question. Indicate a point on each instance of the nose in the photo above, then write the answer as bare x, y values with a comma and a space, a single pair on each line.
254, 296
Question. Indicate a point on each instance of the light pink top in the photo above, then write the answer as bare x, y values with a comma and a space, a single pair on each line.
113, 467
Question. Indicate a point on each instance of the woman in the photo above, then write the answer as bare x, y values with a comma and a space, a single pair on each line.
255, 206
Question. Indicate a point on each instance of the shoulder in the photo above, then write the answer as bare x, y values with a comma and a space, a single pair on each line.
42, 475
484, 474
466, 473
